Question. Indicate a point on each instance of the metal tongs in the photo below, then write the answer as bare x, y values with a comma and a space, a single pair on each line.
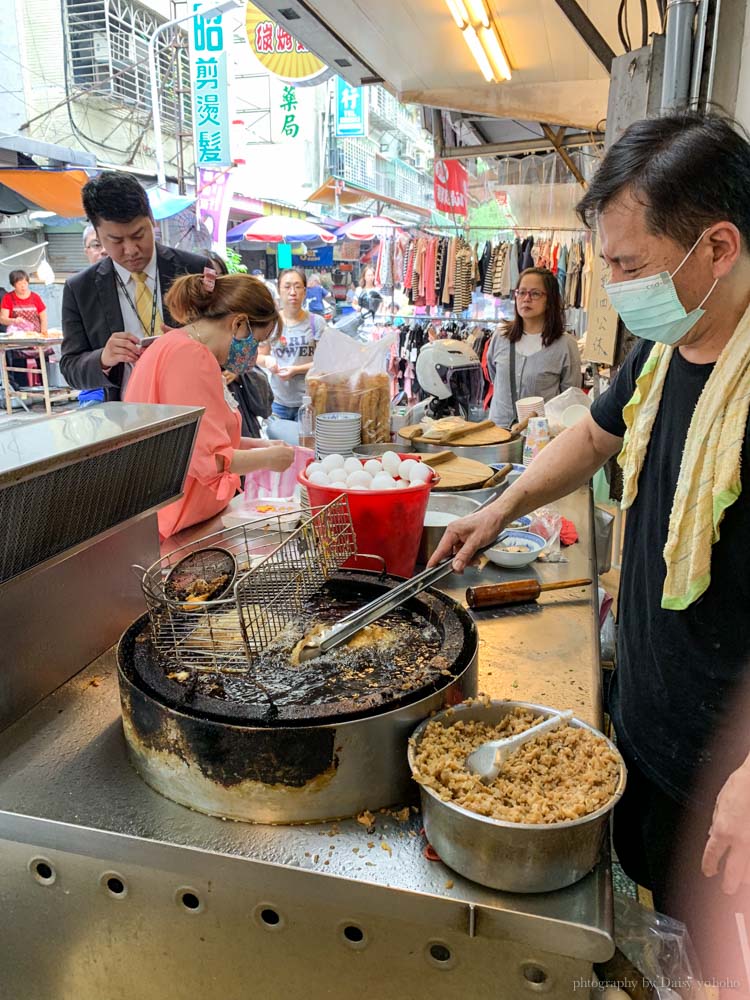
317, 644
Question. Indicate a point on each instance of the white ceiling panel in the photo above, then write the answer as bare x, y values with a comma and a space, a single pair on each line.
416, 48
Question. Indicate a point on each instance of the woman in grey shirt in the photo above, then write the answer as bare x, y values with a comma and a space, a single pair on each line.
532, 356
288, 358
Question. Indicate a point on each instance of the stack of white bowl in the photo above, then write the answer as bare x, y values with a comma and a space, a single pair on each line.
337, 433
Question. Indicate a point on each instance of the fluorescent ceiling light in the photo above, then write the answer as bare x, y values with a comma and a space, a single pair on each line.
475, 20
478, 13
472, 40
458, 11
493, 48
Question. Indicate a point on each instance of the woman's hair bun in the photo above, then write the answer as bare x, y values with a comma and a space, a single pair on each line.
191, 297
188, 298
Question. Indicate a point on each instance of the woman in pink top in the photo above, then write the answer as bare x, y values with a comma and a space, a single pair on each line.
223, 320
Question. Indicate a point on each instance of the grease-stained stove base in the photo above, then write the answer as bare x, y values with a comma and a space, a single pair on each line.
109, 891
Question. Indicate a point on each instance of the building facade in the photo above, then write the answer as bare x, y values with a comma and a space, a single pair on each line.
83, 80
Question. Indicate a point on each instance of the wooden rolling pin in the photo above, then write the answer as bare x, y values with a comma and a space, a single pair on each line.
496, 595
516, 429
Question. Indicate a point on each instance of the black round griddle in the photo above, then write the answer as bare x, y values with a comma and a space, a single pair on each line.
438, 643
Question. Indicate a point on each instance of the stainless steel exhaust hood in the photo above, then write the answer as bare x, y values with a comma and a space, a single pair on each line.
78, 496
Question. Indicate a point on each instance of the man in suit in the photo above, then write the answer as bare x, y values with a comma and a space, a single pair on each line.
109, 308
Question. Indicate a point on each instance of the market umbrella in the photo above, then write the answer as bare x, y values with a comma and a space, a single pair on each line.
373, 227
166, 204
279, 229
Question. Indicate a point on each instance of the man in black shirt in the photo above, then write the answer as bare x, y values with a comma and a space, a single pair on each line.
670, 203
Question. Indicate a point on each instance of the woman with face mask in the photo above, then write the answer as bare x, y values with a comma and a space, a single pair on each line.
223, 320
533, 356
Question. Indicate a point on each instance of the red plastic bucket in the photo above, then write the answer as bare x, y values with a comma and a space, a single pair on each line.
387, 523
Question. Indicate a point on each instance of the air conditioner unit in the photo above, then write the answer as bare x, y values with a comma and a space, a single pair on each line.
101, 46
11, 225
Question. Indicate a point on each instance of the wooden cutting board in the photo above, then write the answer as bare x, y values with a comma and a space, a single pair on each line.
455, 431
457, 473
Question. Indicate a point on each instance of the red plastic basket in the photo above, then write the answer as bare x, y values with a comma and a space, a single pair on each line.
387, 523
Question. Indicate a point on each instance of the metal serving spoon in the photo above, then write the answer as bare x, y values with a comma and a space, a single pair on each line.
487, 759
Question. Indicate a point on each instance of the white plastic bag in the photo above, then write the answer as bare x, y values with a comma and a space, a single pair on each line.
348, 376
547, 523
554, 410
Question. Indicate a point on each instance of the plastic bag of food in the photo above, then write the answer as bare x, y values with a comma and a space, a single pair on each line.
661, 960
564, 410
350, 377
548, 523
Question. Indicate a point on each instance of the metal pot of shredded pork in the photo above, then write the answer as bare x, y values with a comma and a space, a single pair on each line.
540, 825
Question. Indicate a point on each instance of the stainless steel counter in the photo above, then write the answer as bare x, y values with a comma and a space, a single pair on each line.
315, 911
30, 447
546, 653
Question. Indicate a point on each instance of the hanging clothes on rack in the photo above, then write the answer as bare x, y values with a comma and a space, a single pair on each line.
444, 271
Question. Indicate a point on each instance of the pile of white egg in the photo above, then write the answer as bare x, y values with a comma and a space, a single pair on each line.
389, 472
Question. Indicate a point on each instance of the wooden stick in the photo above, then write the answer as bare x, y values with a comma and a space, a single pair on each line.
498, 477
459, 432
563, 585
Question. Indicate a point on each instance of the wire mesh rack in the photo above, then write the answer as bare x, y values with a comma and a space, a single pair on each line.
281, 562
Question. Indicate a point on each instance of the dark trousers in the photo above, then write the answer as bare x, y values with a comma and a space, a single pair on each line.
659, 843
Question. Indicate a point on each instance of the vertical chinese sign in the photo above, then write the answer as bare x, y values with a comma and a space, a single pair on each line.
215, 190
211, 119
209, 81
601, 332
288, 106
351, 111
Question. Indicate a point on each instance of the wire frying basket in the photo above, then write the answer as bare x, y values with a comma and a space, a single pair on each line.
281, 562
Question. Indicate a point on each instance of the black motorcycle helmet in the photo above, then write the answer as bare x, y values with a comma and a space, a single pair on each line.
370, 301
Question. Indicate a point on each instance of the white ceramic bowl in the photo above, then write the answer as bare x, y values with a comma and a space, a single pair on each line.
572, 414
514, 473
513, 560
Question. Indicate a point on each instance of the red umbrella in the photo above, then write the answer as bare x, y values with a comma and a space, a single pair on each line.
280, 229
373, 227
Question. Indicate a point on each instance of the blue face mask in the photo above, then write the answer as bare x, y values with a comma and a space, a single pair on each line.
242, 354
650, 307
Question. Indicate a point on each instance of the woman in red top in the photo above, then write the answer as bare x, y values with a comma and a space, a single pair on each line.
23, 309
223, 320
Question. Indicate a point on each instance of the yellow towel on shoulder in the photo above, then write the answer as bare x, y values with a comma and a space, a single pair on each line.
709, 480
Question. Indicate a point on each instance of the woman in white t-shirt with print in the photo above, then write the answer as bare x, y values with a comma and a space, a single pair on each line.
288, 358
